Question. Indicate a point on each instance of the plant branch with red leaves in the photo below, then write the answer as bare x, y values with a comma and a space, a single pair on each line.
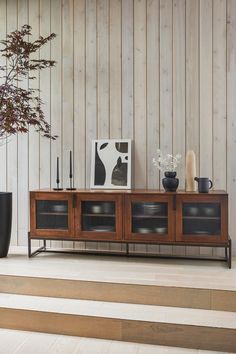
21, 108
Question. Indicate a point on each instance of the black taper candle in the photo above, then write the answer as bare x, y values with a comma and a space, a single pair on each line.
70, 164
58, 179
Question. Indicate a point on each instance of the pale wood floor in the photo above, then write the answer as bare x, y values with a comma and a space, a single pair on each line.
201, 274
21, 342
161, 314
198, 274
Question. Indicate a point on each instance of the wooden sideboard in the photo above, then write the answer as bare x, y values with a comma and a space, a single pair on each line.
133, 216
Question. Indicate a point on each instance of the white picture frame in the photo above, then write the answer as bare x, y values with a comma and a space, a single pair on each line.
111, 164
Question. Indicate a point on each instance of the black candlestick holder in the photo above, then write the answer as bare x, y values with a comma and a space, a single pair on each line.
71, 184
58, 184
58, 179
70, 175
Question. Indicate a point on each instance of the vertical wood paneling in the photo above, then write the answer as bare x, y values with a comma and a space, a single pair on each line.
179, 85
206, 93
205, 87
67, 91
91, 87
22, 159
56, 94
192, 77
67, 87
115, 119
231, 126
128, 72
103, 68
45, 144
79, 99
179, 117
153, 105
153, 119
127, 69
115, 69
166, 118
34, 11
140, 95
219, 94
140, 92
192, 84
33, 163
166, 77
219, 97
91, 82
3, 147
150, 70
12, 173
79, 94
103, 76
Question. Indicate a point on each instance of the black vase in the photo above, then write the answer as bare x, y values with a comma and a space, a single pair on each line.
5, 222
170, 182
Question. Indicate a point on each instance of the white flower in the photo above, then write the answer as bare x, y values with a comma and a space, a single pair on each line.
166, 163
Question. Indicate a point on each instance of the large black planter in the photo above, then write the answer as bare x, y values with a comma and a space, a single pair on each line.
5, 222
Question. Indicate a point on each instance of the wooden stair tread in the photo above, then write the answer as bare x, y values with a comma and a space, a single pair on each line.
147, 313
191, 274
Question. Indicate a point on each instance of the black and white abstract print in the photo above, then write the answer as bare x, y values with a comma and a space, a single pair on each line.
111, 164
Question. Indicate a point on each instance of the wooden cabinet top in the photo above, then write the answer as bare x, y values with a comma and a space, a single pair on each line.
131, 191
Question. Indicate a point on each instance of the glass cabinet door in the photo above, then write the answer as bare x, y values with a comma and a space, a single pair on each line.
99, 218
148, 218
52, 214
202, 218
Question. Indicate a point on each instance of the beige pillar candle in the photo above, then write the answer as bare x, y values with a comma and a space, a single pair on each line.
190, 171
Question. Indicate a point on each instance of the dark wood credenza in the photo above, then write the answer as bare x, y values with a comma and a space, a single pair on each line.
130, 216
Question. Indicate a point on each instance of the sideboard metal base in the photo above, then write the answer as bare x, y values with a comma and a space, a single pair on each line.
127, 253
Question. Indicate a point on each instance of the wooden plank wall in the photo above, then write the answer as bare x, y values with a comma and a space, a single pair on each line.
161, 72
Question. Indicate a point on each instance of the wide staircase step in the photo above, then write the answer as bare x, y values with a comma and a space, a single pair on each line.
209, 299
171, 326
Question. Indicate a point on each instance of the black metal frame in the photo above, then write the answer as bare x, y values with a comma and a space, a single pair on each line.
127, 253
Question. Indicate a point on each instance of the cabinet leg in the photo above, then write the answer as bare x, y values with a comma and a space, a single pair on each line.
29, 245
44, 244
226, 253
127, 248
230, 254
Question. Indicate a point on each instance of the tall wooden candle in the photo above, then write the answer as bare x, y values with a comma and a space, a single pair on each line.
190, 171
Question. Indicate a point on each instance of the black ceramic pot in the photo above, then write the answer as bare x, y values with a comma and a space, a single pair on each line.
170, 182
5, 222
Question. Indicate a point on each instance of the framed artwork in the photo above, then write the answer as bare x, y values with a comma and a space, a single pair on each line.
111, 164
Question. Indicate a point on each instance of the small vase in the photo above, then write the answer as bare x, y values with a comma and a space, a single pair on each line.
170, 182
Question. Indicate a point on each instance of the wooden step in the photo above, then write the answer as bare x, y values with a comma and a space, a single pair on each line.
209, 299
181, 327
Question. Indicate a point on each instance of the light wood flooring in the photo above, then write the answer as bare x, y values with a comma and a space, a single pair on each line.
23, 342
164, 272
140, 300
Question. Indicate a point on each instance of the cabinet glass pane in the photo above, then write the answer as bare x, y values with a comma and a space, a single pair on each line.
150, 217
201, 219
98, 216
52, 214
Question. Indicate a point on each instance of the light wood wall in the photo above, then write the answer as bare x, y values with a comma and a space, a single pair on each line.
162, 72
